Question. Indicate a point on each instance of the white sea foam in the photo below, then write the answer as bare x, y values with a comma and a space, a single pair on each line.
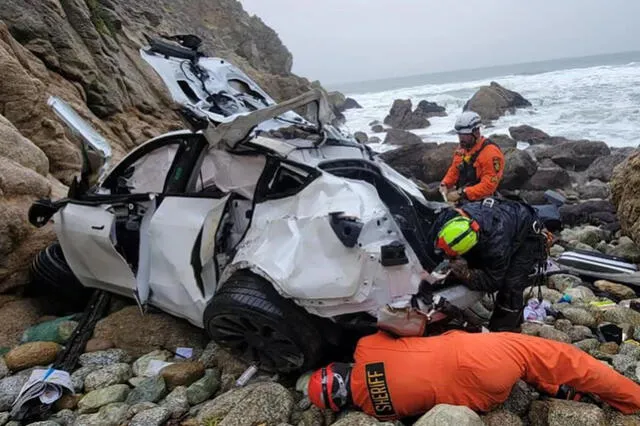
597, 103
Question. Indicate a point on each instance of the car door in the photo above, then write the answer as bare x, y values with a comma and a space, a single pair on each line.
101, 240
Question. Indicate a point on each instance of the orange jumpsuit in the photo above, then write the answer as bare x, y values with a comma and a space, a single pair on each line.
394, 378
489, 168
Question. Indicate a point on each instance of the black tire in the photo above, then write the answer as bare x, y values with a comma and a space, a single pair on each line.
248, 317
52, 279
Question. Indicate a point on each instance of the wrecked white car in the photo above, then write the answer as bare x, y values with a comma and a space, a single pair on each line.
273, 233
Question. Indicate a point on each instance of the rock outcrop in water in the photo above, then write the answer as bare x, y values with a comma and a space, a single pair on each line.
494, 101
87, 52
403, 117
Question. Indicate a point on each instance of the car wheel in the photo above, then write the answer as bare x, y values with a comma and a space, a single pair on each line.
52, 278
249, 317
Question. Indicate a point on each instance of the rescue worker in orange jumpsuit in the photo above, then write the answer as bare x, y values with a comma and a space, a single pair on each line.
478, 165
405, 377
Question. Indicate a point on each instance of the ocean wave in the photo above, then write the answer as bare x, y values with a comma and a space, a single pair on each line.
599, 103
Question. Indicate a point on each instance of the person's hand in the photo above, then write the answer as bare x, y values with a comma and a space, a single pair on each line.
453, 196
460, 269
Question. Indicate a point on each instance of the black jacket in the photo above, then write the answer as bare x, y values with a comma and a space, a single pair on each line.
503, 229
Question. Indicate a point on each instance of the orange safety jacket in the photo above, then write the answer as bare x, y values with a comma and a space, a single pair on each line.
394, 378
478, 170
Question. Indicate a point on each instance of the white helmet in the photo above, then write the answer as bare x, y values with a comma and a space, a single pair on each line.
467, 122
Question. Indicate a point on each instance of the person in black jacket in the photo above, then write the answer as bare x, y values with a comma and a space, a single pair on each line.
494, 246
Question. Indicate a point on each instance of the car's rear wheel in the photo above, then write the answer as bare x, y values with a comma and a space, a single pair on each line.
52, 278
249, 317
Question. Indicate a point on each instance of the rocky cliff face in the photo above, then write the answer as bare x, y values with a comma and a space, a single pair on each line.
86, 51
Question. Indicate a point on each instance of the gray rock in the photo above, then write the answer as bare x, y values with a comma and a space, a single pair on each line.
627, 249
548, 332
531, 328
140, 365
4, 418
556, 251
579, 316
45, 423
547, 293
153, 417
579, 332
377, 128
588, 345
64, 417
256, 403
374, 139
204, 388
176, 402
401, 138
518, 169
104, 358
361, 137
580, 293
113, 374
66, 329
502, 418
152, 389
208, 357
556, 412
78, 376
4, 370
602, 167
621, 315
520, 398
138, 408
622, 363
92, 401
594, 189
590, 235
630, 349
617, 290
355, 418
563, 325
450, 415
135, 381
9, 390
113, 414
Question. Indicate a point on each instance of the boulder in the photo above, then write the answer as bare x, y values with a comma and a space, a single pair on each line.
406, 159
108, 415
353, 418
594, 212
141, 364
594, 189
555, 412
374, 139
502, 418
449, 415
609, 348
257, 403
151, 389
435, 162
548, 332
430, 109
182, 373
139, 335
152, 417
113, 374
350, 103
401, 138
563, 325
626, 249
16, 316
562, 282
625, 192
9, 389
31, 355
104, 358
377, 128
202, 389
589, 344
631, 349
361, 137
580, 293
402, 117
520, 398
519, 168
619, 291
602, 167
176, 402
579, 316
526, 133
575, 155
95, 345
92, 401
503, 141
548, 178
620, 315
78, 376
579, 333
590, 235
493, 101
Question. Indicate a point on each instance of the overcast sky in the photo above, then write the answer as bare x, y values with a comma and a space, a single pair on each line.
353, 40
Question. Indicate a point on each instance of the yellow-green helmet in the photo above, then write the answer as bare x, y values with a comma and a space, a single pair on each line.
458, 236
